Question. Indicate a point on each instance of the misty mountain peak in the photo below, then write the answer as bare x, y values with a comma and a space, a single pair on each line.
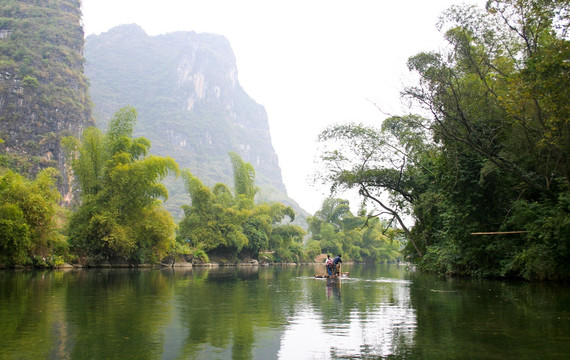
185, 88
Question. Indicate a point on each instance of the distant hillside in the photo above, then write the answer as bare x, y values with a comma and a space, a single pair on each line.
43, 92
190, 104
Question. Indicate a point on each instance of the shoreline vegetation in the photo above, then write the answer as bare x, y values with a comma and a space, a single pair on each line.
484, 174
88, 239
119, 220
177, 264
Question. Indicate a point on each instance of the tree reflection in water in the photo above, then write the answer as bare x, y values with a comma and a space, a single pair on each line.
276, 312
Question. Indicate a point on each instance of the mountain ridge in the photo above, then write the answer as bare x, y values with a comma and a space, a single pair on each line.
191, 106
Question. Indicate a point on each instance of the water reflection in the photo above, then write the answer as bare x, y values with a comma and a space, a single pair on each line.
345, 326
277, 312
333, 287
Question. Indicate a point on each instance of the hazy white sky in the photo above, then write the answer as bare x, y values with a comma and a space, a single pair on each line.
310, 63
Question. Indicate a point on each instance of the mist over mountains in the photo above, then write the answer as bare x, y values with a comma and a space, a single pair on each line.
190, 105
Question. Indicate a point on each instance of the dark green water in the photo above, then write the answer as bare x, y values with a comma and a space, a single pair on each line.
382, 312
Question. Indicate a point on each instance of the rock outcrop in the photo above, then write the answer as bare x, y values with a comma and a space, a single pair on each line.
43, 91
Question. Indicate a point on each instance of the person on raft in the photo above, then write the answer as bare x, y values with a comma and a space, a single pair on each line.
336, 265
329, 265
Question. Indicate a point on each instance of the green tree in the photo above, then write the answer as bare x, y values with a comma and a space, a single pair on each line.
334, 211
29, 218
209, 223
382, 164
263, 225
219, 222
244, 177
491, 154
363, 238
499, 105
120, 215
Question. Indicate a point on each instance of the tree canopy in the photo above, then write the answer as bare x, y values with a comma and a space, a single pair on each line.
490, 151
221, 222
28, 219
120, 214
335, 230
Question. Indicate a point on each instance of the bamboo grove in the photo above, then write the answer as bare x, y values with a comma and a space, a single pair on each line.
119, 215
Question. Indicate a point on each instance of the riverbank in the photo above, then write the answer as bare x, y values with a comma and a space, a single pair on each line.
115, 265
218, 261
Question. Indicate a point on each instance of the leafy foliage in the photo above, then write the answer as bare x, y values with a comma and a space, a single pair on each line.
221, 223
28, 218
120, 215
335, 230
375, 161
492, 153
209, 225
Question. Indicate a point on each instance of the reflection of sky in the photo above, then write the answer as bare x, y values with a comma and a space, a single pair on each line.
150, 314
380, 330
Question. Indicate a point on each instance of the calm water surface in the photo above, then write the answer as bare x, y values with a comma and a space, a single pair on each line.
381, 312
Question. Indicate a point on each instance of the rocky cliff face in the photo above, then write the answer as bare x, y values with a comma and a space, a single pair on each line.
190, 104
43, 92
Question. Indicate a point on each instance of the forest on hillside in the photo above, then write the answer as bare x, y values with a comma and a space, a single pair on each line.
43, 90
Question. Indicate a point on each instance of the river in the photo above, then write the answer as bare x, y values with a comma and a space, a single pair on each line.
378, 312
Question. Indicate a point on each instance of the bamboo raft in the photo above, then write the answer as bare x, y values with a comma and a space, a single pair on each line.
321, 276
